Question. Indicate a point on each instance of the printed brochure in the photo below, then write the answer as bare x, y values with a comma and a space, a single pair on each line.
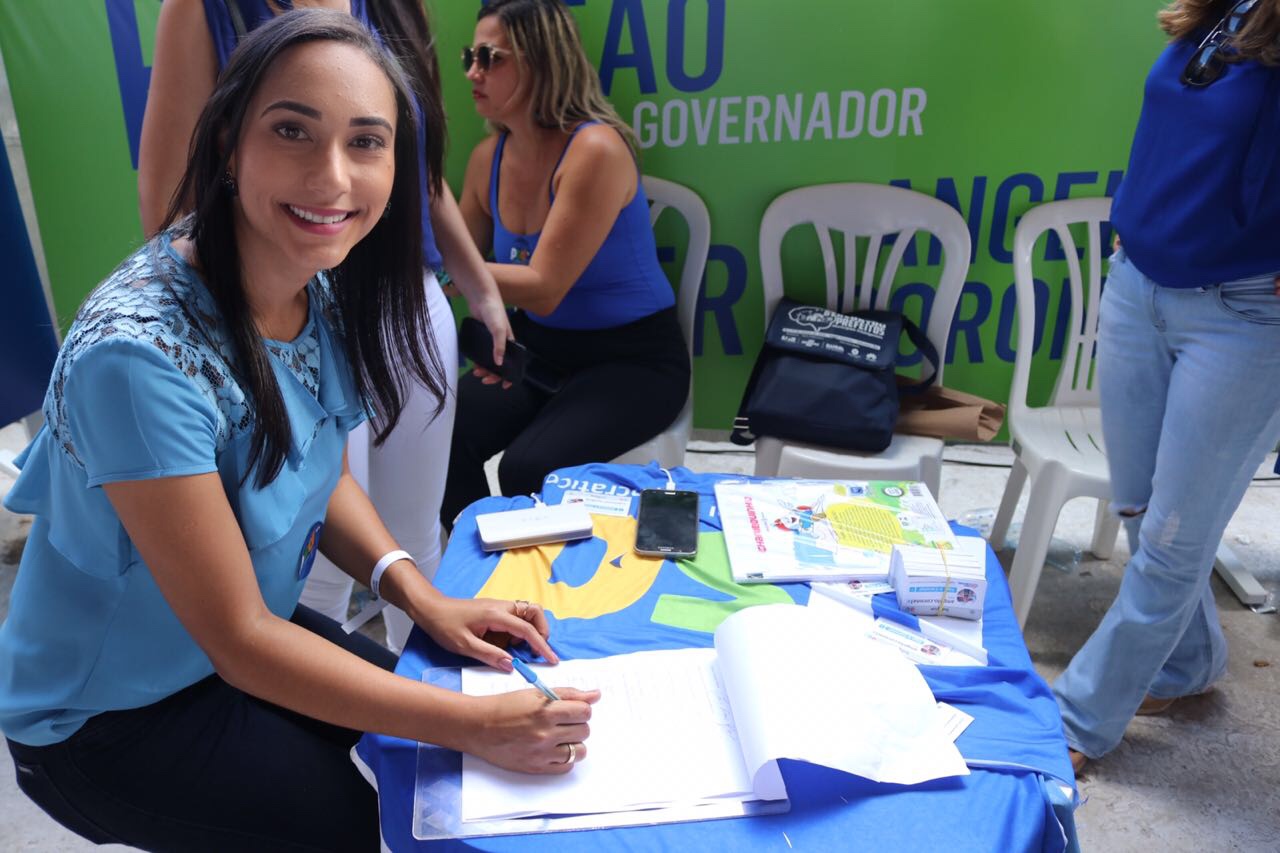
824, 530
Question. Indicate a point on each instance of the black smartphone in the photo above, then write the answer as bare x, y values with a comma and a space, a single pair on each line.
475, 342
667, 523
519, 364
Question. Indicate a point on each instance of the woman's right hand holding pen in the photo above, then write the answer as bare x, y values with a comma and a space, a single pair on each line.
526, 732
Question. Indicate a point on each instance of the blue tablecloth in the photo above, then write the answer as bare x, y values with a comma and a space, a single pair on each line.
600, 601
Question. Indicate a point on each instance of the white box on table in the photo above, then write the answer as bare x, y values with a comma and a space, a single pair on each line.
941, 581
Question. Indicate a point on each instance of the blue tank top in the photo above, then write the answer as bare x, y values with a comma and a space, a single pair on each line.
623, 282
254, 13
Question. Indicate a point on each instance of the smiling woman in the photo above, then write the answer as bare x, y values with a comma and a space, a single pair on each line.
404, 469
319, 133
162, 686
314, 178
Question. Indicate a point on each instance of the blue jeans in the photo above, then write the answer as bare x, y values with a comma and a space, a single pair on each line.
1190, 386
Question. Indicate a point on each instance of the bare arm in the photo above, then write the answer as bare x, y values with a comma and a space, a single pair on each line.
189, 539
183, 73
596, 180
355, 538
468, 271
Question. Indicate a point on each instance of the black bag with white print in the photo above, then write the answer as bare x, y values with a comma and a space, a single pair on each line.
827, 378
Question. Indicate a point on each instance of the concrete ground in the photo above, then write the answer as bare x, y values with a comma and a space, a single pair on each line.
1203, 777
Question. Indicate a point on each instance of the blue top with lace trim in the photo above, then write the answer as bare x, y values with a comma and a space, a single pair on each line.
145, 387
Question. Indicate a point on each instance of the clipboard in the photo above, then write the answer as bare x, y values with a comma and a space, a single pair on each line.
437, 798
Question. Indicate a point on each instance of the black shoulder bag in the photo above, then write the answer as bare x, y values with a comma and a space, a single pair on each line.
828, 378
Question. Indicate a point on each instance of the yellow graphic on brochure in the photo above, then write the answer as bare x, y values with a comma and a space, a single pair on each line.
865, 525
794, 530
620, 580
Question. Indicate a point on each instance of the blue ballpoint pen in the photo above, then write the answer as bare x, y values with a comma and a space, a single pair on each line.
532, 677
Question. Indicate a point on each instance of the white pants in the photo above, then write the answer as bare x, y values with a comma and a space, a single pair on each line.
404, 478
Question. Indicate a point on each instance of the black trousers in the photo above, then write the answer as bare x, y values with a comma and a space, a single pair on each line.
211, 768
623, 386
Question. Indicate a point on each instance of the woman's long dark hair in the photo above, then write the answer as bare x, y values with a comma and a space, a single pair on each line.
404, 29
377, 287
1258, 39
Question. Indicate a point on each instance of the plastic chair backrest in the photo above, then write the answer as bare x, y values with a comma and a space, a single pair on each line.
872, 211
1075, 385
663, 194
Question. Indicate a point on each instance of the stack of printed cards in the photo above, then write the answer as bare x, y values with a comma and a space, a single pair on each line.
941, 581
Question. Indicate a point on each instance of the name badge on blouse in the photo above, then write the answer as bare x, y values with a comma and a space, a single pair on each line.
309, 549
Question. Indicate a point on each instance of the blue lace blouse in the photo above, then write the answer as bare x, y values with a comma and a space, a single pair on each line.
145, 387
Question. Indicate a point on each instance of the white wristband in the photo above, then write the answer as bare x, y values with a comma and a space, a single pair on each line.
375, 578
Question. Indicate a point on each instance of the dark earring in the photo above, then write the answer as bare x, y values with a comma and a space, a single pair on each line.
230, 183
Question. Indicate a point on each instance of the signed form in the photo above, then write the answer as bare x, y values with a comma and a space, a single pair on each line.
691, 726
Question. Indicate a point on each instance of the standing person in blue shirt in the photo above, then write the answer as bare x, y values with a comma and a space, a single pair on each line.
1189, 358
160, 686
555, 194
405, 473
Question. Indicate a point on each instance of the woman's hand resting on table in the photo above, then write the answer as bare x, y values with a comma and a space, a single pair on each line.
460, 624
525, 731
522, 730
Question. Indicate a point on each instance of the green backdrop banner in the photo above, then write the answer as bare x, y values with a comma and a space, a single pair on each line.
991, 106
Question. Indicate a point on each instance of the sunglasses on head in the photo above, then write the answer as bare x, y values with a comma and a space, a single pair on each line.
1208, 64
484, 55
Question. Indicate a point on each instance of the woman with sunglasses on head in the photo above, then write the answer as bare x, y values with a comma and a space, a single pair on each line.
555, 194
1189, 358
405, 474
162, 686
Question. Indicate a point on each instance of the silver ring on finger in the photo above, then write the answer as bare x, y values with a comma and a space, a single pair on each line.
573, 753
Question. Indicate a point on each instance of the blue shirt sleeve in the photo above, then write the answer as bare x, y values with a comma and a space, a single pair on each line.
133, 415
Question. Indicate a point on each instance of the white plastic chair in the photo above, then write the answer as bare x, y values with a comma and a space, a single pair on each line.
668, 446
876, 212
1059, 446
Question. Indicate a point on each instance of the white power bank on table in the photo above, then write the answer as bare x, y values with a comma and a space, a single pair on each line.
518, 528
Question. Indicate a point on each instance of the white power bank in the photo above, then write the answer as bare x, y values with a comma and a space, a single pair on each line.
518, 528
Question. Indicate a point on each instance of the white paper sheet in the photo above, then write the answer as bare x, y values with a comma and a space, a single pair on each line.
952, 720
803, 687
662, 734
693, 725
